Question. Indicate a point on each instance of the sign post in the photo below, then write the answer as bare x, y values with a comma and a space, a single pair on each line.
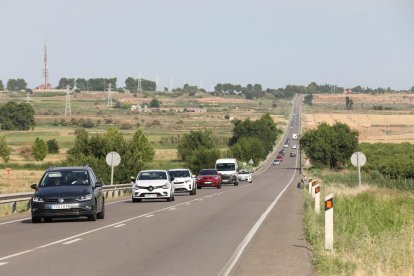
358, 159
310, 185
113, 159
329, 222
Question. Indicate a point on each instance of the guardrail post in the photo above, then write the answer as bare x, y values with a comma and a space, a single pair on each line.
28, 206
113, 194
14, 207
329, 222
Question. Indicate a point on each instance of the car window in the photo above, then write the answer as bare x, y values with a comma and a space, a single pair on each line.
65, 178
208, 172
225, 166
182, 173
152, 175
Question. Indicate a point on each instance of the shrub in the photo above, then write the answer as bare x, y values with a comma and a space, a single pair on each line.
52, 146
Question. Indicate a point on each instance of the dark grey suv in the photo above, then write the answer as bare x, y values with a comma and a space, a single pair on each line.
68, 192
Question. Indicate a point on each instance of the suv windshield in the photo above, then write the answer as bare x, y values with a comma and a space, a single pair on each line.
152, 175
182, 173
65, 178
225, 167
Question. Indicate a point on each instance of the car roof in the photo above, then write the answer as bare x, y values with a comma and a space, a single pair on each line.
173, 170
53, 169
153, 171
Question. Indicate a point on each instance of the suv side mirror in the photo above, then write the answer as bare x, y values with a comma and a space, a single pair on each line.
98, 184
172, 178
34, 186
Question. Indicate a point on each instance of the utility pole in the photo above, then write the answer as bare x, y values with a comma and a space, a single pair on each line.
68, 110
110, 95
27, 97
139, 88
171, 84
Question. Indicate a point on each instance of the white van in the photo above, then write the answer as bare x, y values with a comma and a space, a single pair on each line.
227, 168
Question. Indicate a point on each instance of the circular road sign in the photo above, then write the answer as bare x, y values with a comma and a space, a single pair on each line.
113, 159
358, 159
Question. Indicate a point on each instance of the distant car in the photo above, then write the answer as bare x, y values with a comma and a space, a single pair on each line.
245, 175
279, 157
153, 184
293, 154
209, 178
184, 181
276, 162
67, 192
283, 152
286, 145
294, 146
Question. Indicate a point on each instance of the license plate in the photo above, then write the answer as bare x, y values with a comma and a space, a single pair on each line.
208, 182
61, 206
150, 195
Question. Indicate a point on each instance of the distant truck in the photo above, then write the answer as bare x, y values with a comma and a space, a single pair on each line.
295, 136
228, 170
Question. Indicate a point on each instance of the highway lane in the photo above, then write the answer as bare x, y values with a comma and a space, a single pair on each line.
193, 235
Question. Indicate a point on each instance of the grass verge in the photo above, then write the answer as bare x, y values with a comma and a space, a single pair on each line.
373, 230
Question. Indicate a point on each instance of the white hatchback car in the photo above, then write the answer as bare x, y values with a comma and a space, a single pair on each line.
153, 184
184, 181
294, 146
245, 175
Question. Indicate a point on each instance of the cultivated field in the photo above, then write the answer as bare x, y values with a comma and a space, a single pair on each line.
394, 125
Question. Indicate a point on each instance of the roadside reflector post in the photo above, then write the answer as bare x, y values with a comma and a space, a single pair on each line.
313, 188
317, 199
329, 222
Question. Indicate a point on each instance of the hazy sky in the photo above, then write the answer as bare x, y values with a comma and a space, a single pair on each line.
275, 43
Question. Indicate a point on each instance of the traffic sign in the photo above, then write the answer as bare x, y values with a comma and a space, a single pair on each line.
113, 159
251, 162
358, 159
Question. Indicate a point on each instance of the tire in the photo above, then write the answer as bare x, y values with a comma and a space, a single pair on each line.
219, 186
36, 219
173, 197
101, 214
199, 187
235, 182
169, 199
92, 217
135, 200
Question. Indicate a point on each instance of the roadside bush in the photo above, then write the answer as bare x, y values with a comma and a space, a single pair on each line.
52, 146
39, 149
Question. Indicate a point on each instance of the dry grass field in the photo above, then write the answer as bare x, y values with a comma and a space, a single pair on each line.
395, 125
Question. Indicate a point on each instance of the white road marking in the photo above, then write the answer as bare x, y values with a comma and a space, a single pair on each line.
72, 241
188, 203
239, 250
172, 208
17, 220
119, 225
148, 216
105, 227
3, 263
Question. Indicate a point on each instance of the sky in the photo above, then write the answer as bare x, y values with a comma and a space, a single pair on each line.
274, 43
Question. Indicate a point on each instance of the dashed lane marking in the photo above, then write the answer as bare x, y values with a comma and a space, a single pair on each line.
72, 241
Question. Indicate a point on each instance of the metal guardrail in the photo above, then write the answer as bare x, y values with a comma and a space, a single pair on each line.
114, 190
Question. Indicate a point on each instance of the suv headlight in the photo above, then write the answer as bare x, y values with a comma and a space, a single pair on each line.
38, 199
187, 181
84, 197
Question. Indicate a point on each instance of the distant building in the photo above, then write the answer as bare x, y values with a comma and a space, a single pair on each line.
347, 91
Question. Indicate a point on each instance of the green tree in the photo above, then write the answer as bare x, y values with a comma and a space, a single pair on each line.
15, 116
16, 84
196, 139
248, 148
308, 99
52, 146
4, 149
64, 82
81, 84
155, 103
203, 158
1, 86
39, 149
329, 146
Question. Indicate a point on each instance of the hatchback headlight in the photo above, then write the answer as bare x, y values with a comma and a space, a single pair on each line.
38, 199
166, 186
135, 186
84, 197
187, 181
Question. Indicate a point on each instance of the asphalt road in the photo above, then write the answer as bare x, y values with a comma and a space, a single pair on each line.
212, 233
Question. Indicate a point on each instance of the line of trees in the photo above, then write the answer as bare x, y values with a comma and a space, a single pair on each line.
16, 84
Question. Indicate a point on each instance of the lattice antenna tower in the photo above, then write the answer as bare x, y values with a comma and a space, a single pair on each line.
68, 109
45, 69
110, 94
139, 88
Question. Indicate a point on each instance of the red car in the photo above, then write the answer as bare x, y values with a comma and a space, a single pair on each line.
208, 178
279, 157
